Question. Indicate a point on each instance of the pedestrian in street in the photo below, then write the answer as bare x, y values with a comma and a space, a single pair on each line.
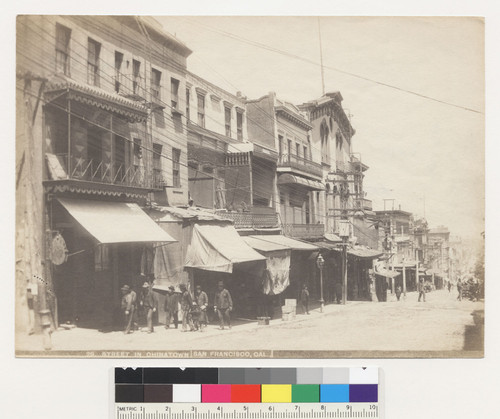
223, 305
129, 299
171, 307
304, 299
338, 292
186, 303
449, 286
398, 292
202, 301
459, 289
384, 289
149, 304
421, 289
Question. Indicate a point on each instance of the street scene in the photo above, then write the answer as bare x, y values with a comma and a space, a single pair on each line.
172, 201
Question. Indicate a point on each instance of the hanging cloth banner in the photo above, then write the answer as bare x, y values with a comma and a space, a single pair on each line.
277, 275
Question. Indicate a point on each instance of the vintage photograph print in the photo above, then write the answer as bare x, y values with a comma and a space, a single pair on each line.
249, 187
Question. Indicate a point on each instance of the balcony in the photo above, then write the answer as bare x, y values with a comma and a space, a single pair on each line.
92, 170
363, 204
299, 165
251, 220
304, 231
345, 167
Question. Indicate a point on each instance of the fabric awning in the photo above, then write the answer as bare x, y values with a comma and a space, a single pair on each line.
262, 245
332, 238
115, 222
286, 241
386, 272
287, 179
218, 248
364, 253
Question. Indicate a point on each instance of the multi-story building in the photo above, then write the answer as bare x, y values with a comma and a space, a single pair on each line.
100, 134
228, 173
342, 170
287, 167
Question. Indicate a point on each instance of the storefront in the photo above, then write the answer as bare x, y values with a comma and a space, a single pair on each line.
217, 252
109, 244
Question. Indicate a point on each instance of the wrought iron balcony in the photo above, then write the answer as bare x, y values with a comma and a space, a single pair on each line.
106, 172
363, 204
304, 231
243, 220
301, 164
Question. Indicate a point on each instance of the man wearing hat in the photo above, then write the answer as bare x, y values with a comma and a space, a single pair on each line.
186, 305
129, 298
149, 304
171, 307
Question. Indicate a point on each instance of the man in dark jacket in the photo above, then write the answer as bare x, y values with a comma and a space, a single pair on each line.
149, 305
223, 305
304, 299
171, 307
186, 303
202, 301
128, 305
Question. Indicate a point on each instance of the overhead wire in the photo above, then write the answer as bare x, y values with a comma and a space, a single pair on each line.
143, 88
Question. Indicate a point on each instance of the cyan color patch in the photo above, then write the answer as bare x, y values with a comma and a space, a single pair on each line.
334, 393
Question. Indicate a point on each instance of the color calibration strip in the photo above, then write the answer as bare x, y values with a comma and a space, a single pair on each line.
246, 385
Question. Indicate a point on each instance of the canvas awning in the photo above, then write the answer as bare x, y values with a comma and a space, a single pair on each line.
218, 248
386, 272
364, 253
262, 245
287, 179
115, 222
286, 241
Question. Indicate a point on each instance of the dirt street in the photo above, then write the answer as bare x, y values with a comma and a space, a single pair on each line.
439, 324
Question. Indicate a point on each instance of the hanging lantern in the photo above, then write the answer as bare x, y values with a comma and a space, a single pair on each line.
58, 250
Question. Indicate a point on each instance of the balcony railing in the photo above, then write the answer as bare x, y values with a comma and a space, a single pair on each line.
345, 167
304, 231
300, 163
363, 204
105, 172
250, 220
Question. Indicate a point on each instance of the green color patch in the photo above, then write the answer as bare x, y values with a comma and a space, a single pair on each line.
305, 393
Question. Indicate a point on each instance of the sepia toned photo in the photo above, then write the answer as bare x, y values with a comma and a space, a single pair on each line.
249, 187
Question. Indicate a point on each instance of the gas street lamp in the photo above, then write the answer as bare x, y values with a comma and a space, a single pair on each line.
344, 235
320, 263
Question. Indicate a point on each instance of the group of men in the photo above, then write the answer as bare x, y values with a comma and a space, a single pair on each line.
193, 307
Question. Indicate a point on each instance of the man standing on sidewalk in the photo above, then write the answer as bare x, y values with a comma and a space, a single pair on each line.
304, 299
186, 303
171, 307
223, 305
421, 289
129, 298
149, 305
202, 301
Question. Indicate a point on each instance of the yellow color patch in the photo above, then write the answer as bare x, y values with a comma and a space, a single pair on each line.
276, 393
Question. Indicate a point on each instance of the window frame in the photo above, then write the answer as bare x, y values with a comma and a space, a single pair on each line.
201, 109
174, 93
93, 62
176, 167
155, 87
227, 120
64, 52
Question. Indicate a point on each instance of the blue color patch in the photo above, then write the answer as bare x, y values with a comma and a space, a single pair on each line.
334, 393
363, 393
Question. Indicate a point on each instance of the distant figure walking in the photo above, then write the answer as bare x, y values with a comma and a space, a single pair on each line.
421, 289
129, 298
338, 292
304, 299
459, 289
449, 286
223, 305
398, 292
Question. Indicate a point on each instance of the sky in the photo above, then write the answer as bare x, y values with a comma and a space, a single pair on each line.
426, 155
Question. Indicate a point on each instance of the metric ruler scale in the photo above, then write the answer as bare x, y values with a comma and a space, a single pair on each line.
246, 411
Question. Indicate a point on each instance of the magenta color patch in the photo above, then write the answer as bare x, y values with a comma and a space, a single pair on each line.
216, 393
